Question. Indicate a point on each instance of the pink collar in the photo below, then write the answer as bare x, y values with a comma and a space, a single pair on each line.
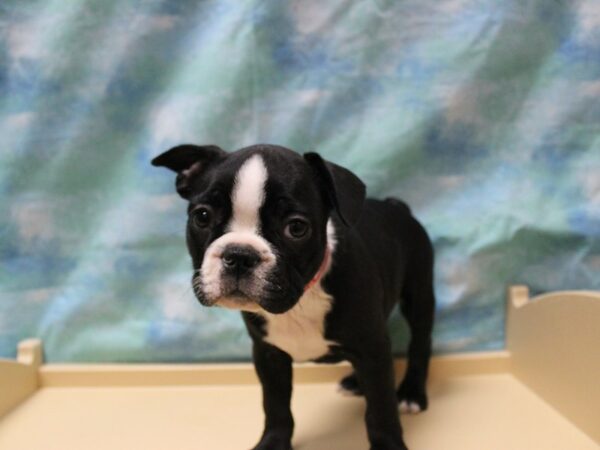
321, 271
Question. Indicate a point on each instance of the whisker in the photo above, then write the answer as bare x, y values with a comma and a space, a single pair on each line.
186, 293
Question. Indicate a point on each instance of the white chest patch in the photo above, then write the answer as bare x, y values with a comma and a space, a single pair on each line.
299, 332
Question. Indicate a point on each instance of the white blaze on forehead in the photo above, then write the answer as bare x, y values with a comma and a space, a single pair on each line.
248, 195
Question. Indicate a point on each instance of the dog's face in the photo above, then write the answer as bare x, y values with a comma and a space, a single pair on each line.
258, 220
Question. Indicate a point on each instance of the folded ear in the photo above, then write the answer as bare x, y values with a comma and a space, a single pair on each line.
343, 190
188, 161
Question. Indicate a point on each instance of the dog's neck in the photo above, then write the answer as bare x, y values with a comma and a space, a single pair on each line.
326, 263
322, 269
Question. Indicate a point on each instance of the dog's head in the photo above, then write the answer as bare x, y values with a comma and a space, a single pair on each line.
257, 228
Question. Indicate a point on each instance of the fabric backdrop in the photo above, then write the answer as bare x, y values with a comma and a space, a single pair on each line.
483, 115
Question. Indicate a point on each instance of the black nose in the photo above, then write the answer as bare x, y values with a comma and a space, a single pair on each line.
239, 260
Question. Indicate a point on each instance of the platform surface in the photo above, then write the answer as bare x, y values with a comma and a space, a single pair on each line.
484, 412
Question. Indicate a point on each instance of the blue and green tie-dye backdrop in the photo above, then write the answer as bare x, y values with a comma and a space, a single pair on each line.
483, 114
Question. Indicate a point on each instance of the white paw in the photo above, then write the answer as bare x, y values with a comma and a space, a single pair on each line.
409, 407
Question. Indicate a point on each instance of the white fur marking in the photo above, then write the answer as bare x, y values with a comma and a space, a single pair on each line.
409, 407
248, 195
331, 239
299, 331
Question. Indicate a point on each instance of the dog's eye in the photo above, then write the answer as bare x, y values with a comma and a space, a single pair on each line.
297, 228
202, 217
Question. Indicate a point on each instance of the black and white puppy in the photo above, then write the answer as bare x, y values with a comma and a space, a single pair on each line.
315, 269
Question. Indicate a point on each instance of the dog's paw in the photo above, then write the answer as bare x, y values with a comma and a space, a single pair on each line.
272, 447
349, 386
412, 399
275, 439
273, 442
406, 407
387, 444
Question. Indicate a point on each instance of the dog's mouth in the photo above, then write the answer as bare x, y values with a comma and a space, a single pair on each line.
232, 294
243, 295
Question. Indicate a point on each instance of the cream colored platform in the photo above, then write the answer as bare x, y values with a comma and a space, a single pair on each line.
542, 393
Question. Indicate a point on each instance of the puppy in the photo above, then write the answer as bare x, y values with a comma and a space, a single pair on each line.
315, 269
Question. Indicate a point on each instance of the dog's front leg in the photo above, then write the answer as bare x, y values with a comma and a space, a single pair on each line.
274, 369
375, 373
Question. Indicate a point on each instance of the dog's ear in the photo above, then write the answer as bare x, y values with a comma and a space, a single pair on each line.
343, 190
188, 161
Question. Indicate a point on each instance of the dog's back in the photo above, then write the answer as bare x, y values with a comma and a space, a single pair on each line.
393, 237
